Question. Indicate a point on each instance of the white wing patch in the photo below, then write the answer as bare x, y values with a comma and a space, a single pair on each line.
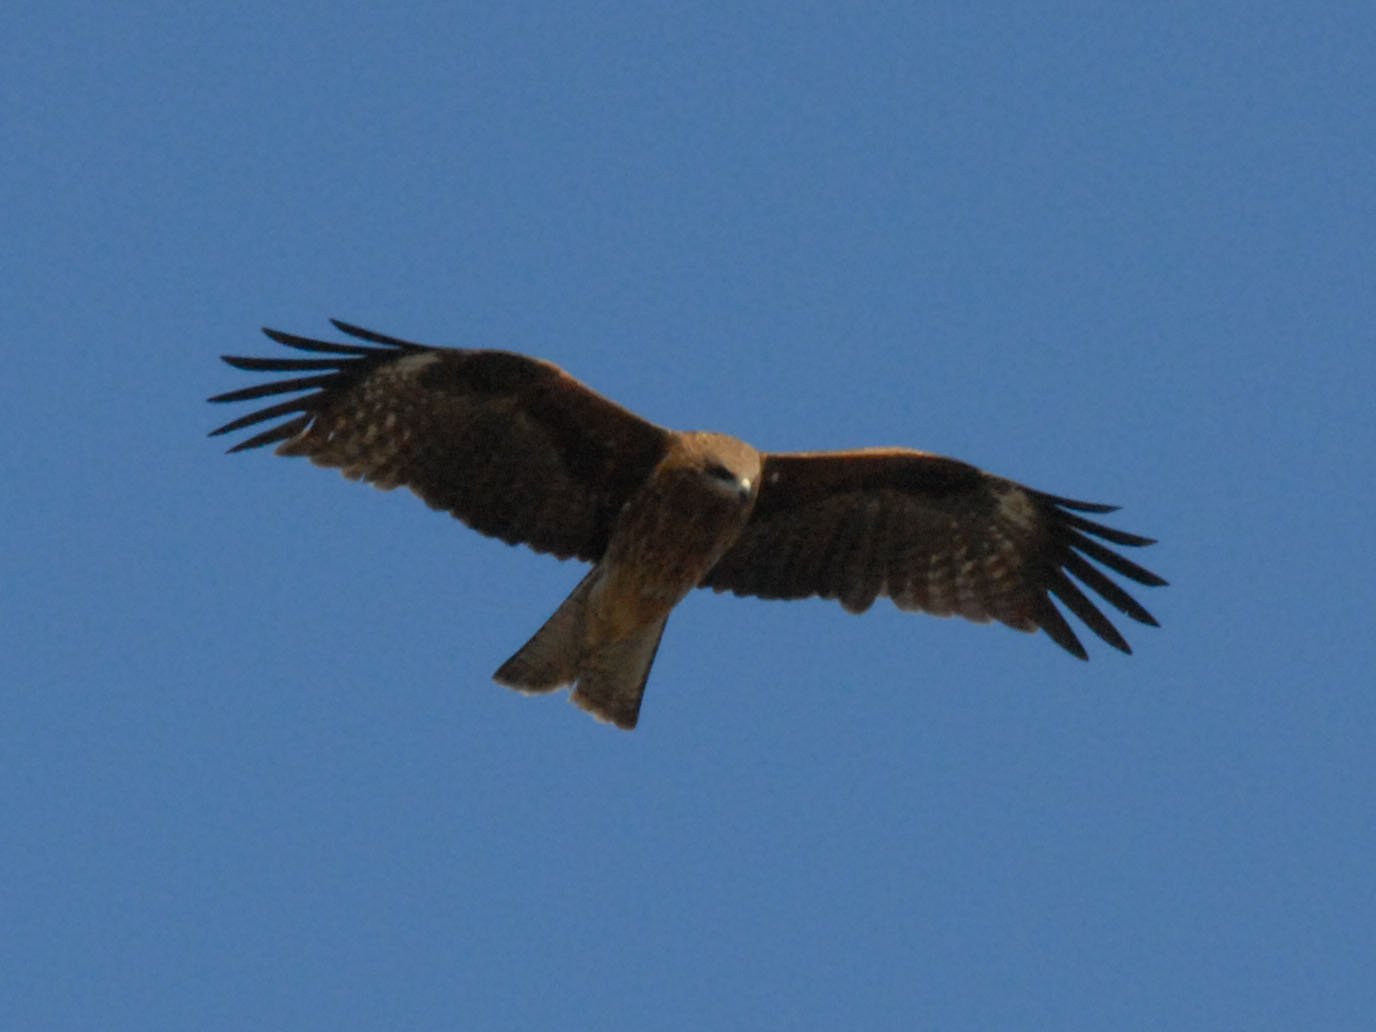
1016, 508
409, 365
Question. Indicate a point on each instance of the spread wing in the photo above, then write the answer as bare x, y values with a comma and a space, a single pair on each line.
935, 535
513, 446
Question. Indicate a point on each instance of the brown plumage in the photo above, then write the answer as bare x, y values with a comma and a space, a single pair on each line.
518, 449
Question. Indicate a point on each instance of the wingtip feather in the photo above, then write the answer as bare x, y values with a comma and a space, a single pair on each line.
1077, 504
373, 337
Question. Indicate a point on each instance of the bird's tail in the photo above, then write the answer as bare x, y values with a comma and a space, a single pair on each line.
552, 657
612, 680
609, 679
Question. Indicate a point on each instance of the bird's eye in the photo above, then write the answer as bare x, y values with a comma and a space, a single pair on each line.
719, 472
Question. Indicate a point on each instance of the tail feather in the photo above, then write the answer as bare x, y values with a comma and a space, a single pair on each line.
552, 657
609, 679
612, 680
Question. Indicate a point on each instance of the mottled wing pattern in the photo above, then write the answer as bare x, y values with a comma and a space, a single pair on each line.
932, 534
513, 446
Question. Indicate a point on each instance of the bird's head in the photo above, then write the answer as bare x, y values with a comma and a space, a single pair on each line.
726, 465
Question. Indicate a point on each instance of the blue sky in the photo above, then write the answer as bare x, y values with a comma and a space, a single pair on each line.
253, 773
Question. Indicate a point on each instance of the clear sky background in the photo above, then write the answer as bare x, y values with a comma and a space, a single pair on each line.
253, 772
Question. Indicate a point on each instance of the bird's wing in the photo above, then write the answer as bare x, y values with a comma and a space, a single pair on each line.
511, 445
935, 535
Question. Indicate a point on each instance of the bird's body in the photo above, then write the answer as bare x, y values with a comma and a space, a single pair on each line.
604, 637
518, 449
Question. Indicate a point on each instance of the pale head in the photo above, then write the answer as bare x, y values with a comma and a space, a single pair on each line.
724, 463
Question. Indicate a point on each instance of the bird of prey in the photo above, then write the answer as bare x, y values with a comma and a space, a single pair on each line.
518, 449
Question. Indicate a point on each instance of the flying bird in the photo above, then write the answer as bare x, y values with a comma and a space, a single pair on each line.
518, 449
